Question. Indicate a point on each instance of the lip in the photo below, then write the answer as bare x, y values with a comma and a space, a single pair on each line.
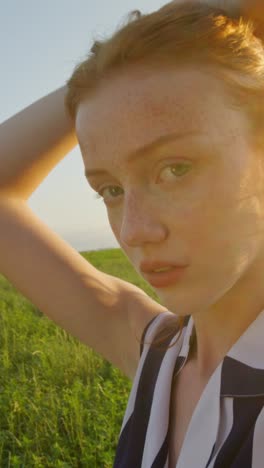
164, 278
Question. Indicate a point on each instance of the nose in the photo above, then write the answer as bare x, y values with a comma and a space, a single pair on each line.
141, 223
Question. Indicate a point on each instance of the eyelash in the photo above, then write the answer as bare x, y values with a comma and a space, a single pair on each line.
99, 195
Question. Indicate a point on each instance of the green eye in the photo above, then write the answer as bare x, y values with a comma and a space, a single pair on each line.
109, 193
114, 191
173, 171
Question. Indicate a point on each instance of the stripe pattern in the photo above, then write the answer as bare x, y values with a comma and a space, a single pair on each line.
227, 426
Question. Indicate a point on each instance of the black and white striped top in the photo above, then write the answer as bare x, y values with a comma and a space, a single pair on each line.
227, 427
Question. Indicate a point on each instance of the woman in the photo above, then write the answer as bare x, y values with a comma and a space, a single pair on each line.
169, 118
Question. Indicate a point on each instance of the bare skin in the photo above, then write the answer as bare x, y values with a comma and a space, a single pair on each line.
210, 217
210, 220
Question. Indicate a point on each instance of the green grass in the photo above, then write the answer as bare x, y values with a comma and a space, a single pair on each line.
61, 404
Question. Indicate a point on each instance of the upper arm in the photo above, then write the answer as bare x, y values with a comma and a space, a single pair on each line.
102, 311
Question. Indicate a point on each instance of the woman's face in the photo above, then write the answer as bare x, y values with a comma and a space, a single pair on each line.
193, 199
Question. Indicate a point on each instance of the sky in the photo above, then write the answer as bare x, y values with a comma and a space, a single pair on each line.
40, 44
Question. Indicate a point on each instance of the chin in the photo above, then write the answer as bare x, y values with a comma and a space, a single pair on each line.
176, 307
181, 301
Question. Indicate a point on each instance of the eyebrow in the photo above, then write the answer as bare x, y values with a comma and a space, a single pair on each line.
147, 149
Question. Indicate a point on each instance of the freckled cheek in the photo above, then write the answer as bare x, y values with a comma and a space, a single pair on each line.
187, 222
115, 224
197, 225
211, 229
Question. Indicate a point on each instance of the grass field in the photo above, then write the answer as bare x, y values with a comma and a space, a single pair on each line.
61, 404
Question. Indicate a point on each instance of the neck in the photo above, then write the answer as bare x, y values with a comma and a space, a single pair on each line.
218, 329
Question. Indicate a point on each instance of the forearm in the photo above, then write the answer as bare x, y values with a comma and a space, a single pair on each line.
33, 142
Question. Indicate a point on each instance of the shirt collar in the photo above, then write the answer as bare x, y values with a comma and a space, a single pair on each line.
242, 373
